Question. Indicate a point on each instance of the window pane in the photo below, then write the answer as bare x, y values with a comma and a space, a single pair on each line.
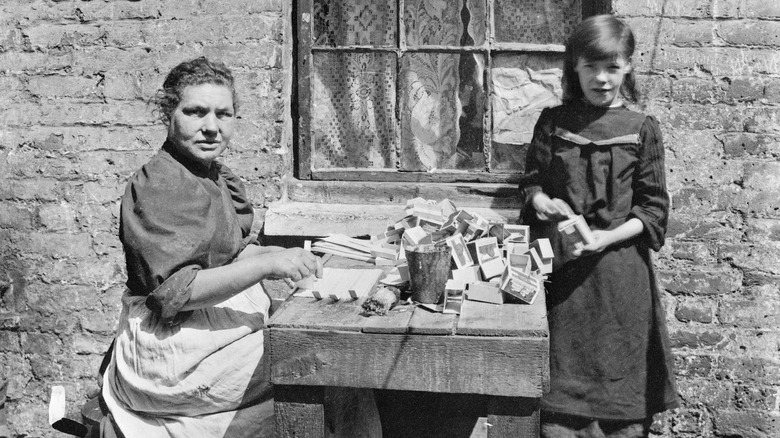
442, 111
354, 22
536, 21
353, 110
523, 85
446, 23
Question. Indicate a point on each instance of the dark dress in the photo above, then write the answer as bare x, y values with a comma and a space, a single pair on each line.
175, 373
609, 350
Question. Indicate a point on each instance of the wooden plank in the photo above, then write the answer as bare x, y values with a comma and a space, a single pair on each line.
425, 322
457, 364
513, 417
396, 321
325, 314
301, 95
484, 319
393, 175
465, 196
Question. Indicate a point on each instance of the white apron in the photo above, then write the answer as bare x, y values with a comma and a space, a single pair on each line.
190, 379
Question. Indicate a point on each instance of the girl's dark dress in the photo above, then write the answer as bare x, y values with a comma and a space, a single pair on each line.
609, 352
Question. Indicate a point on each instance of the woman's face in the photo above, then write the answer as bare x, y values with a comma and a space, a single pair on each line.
601, 80
202, 123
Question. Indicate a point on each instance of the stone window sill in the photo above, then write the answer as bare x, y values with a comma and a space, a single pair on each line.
317, 208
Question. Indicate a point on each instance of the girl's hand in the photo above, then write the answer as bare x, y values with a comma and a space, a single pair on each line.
602, 240
295, 264
550, 209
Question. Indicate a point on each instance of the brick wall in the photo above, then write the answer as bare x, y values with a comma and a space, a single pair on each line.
711, 70
74, 125
75, 75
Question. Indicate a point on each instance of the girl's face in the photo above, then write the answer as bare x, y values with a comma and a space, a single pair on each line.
202, 124
601, 80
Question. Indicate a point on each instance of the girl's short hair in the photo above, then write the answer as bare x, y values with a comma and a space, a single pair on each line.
196, 71
597, 38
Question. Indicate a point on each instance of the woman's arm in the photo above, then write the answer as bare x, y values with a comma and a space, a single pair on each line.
214, 285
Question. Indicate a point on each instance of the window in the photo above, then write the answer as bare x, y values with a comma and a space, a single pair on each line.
426, 90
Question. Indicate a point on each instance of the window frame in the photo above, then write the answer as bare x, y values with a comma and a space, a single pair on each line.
301, 97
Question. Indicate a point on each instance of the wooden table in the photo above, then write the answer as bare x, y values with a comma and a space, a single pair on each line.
319, 347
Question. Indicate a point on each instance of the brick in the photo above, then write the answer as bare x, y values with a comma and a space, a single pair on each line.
693, 33
680, 8
756, 312
117, 11
763, 230
694, 339
696, 252
694, 227
716, 61
744, 369
762, 176
745, 90
715, 282
61, 217
654, 87
16, 370
746, 423
694, 310
758, 203
15, 216
689, 421
757, 343
737, 145
758, 257
48, 36
58, 86
699, 90
97, 322
750, 33
47, 299
10, 342
41, 343
73, 245
688, 118
694, 200
715, 395
87, 343
760, 9
693, 365
33, 62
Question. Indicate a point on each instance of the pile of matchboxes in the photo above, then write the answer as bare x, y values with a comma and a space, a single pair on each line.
492, 261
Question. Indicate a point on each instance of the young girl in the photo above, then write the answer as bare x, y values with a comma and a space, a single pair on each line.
610, 364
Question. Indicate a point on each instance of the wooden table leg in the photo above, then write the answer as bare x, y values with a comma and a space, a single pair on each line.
317, 412
299, 411
513, 417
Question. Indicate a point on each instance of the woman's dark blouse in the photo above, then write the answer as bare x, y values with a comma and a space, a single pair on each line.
178, 217
609, 352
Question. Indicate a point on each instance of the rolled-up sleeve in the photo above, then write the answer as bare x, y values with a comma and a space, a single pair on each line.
650, 202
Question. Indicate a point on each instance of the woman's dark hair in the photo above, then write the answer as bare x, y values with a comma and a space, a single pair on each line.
598, 38
196, 71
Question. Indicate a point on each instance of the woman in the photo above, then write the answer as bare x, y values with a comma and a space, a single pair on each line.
187, 356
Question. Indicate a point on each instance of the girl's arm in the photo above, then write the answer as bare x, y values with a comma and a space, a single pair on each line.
533, 199
605, 238
650, 202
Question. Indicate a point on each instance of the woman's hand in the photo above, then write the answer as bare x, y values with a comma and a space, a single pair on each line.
293, 263
550, 209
